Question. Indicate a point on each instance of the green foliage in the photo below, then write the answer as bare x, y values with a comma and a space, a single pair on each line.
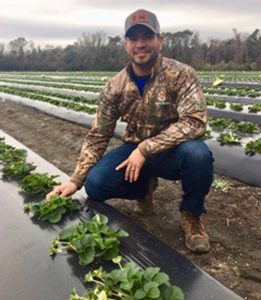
129, 282
17, 169
38, 184
255, 108
229, 138
253, 147
219, 123
220, 104
245, 127
217, 103
89, 240
221, 184
9, 154
52, 209
3, 149
236, 106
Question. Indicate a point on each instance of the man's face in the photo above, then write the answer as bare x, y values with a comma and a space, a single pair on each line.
143, 45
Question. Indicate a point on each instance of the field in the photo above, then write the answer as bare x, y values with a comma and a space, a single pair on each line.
233, 207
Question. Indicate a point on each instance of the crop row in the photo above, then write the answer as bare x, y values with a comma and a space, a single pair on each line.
54, 85
26, 92
237, 76
222, 104
47, 99
252, 92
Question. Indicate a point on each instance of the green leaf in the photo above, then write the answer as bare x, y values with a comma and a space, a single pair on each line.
127, 285
172, 293
87, 256
161, 278
150, 273
153, 293
112, 252
149, 285
139, 294
55, 216
66, 234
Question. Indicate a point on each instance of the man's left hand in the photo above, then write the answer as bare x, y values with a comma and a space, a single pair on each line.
133, 165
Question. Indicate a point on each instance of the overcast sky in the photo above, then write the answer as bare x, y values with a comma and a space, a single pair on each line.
62, 22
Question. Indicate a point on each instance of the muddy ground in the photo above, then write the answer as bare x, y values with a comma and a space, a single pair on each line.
233, 217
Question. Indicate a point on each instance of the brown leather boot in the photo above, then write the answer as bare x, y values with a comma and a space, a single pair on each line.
146, 204
196, 237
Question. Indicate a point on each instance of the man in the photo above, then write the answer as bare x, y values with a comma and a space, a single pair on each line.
162, 103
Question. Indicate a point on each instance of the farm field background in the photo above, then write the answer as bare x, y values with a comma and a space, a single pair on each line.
233, 207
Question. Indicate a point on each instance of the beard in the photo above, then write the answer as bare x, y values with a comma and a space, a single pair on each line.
145, 58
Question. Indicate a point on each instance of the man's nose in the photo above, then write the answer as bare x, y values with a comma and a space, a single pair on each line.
141, 42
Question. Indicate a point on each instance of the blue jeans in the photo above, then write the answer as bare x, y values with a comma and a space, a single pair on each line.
191, 162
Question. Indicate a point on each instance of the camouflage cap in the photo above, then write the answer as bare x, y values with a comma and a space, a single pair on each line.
142, 17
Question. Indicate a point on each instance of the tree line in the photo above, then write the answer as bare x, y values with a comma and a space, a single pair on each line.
99, 52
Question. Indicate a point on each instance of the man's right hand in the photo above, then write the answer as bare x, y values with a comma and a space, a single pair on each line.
63, 190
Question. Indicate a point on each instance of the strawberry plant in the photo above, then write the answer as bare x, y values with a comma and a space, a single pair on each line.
253, 147
11, 154
219, 123
255, 108
236, 106
89, 240
229, 138
4, 148
220, 104
245, 127
129, 282
38, 184
52, 209
17, 169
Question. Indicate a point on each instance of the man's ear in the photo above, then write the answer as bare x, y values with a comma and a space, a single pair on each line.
161, 39
124, 43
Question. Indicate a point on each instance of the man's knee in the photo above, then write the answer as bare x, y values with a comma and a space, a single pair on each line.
94, 184
197, 153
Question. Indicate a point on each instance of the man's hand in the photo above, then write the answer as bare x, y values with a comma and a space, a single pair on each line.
133, 165
63, 190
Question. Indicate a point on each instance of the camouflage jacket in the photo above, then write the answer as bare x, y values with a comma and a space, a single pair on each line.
171, 110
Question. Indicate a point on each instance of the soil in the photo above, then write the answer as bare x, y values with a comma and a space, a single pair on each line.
233, 215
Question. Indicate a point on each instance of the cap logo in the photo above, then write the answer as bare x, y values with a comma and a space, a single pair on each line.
140, 17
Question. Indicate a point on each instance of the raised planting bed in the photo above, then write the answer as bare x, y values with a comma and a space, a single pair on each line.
28, 272
235, 84
234, 99
234, 115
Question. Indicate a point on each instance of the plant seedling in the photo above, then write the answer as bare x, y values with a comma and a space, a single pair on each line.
10, 154
253, 147
17, 169
245, 127
221, 184
129, 282
219, 123
228, 138
89, 240
255, 108
38, 184
236, 106
53, 209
